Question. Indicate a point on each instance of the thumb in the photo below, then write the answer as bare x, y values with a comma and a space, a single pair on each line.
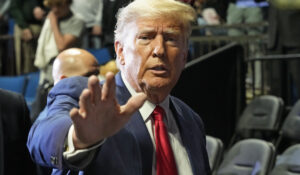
133, 104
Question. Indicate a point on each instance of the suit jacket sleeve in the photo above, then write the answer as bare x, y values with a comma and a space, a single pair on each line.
47, 136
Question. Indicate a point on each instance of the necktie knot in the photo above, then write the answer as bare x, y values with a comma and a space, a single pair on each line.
158, 113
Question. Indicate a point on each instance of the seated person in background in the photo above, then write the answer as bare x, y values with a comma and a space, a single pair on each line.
117, 128
14, 127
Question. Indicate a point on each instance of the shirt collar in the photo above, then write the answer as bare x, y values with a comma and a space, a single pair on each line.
148, 107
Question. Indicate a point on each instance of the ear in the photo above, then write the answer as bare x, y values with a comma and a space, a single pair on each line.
62, 77
119, 52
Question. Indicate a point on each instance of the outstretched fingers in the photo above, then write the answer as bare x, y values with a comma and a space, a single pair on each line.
109, 87
85, 102
94, 87
133, 104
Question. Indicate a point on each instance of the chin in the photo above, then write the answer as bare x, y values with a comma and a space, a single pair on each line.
156, 84
158, 87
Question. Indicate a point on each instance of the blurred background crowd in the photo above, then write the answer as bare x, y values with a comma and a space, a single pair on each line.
33, 32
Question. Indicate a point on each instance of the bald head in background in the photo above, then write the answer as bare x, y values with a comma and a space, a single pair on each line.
74, 62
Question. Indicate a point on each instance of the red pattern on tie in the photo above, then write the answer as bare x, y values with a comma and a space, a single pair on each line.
165, 162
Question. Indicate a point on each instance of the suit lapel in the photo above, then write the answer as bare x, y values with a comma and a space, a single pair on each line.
189, 141
137, 127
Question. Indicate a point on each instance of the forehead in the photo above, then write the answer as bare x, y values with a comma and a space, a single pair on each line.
164, 24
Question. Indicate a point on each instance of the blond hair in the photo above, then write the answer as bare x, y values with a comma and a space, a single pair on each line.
171, 9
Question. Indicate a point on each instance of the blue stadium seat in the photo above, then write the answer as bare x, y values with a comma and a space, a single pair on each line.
31, 87
102, 55
11, 25
13, 83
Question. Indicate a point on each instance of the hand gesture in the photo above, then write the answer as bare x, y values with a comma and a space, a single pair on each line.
99, 115
26, 34
52, 17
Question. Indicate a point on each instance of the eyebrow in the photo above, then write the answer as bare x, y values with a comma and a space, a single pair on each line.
171, 30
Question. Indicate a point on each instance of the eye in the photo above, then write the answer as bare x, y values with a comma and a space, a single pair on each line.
170, 39
144, 37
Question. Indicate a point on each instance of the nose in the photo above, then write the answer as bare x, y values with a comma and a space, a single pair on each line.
159, 47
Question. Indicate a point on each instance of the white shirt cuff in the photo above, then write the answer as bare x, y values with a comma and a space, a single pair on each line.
79, 158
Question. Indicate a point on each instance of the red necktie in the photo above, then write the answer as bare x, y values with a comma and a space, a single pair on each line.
165, 162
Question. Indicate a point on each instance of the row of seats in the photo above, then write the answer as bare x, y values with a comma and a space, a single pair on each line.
262, 135
252, 157
26, 85
264, 118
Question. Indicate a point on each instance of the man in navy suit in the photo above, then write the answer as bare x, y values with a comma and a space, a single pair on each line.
111, 128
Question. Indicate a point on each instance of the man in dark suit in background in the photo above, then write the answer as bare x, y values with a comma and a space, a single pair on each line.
131, 124
14, 127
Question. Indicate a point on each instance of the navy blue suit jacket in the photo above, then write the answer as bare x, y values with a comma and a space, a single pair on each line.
128, 152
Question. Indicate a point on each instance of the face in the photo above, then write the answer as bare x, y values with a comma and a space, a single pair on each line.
152, 56
60, 10
89, 67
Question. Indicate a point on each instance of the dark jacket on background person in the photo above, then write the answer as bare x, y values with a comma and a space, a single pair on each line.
14, 127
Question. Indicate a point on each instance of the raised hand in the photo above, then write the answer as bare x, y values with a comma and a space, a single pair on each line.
99, 115
52, 17
26, 34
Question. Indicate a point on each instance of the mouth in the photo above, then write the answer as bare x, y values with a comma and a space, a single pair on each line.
159, 69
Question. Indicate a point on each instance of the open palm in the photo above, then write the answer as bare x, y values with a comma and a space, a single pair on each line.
99, 115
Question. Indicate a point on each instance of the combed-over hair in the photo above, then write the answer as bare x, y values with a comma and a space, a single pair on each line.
183, 13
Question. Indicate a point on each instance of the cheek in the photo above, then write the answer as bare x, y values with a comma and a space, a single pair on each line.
140, 58
179, 59
132, 62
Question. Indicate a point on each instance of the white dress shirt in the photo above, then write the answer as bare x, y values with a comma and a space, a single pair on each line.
180, 154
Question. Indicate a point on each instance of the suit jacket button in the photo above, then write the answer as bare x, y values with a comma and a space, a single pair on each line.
54, 160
